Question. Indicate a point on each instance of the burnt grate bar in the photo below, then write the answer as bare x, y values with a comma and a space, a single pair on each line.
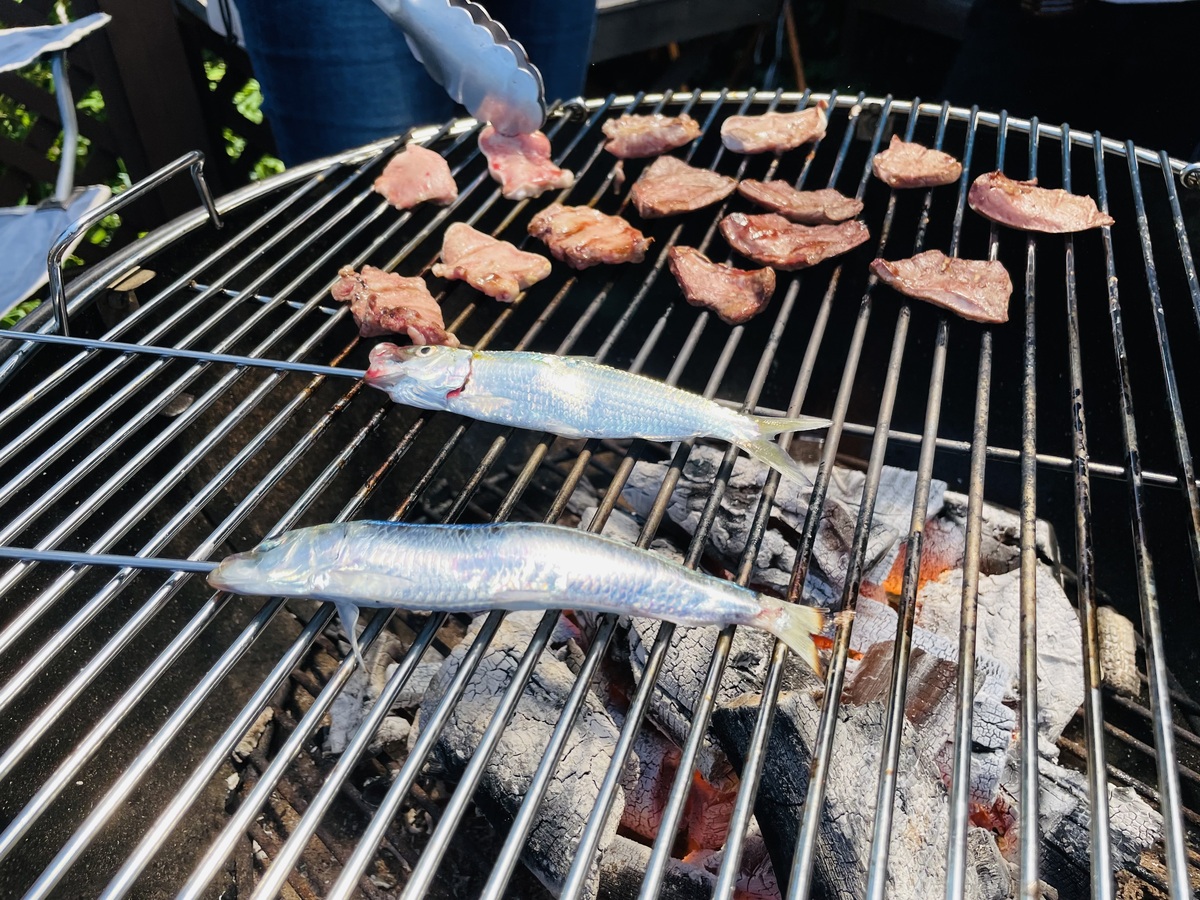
256, 452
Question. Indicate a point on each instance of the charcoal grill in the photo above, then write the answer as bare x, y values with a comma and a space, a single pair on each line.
126, 691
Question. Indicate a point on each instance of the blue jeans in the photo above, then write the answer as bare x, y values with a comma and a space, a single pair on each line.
337, 73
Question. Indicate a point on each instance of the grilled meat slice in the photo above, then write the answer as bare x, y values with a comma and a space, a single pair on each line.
581, 236
772, 240
493, 266
387, 303
415, 175
907, 165
670, 186
975, 289
522, 164
1024, 205
823, 207
735, 295
634, 137
774, 132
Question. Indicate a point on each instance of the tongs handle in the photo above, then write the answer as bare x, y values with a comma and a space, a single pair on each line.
473, 57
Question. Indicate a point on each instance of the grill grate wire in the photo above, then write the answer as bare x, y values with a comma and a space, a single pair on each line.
91, 388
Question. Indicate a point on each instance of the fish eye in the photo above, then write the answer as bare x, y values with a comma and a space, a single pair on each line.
268, 545
425, 350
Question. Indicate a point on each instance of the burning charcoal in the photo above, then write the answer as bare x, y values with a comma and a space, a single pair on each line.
1060, 649
757, 880
648, 784
1118, 652
624, 865
931, 697
920, 827
574, 788
1000, 535
777, 553
681, 680
1064, 820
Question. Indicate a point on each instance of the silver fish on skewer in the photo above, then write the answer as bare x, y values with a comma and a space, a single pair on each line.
513, 566
570, 396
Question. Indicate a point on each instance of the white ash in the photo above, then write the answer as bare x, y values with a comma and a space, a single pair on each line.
574, 787
930, 699
776, 554
920, 824
1000, 535
414, 689
1064, 822
354, 703
1118, 652
1059, 645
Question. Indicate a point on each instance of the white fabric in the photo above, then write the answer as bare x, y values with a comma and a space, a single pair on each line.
21, 46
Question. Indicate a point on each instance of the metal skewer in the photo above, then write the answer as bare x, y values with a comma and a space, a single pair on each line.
230, 358
73, 558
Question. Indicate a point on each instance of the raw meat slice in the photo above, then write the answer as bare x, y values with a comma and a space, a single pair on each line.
386, 303
522, 164
414, 175
774, 132
735, 295
633, 137
907, 165
493, 266
581, 236
772, 240
975, 289
1024, 205
823, 207
670, 186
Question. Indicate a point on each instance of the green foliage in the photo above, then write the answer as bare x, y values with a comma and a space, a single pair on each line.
18, 312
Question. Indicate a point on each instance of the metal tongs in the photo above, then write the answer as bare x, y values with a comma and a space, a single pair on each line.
471, 55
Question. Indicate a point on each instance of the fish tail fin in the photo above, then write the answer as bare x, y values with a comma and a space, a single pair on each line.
348, 614
772, 425
795, 625
771, 454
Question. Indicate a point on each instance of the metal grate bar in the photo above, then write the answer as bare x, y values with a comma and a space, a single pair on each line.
964, 706
805, 848
1171, 800
1187, 465
1028, 851
889, 759
1100, 838
108, 723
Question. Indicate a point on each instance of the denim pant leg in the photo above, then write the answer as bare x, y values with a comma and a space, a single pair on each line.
335, 74
557, 35
338, 73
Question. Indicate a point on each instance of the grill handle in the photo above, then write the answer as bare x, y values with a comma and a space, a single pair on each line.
194, 161
1189, 176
